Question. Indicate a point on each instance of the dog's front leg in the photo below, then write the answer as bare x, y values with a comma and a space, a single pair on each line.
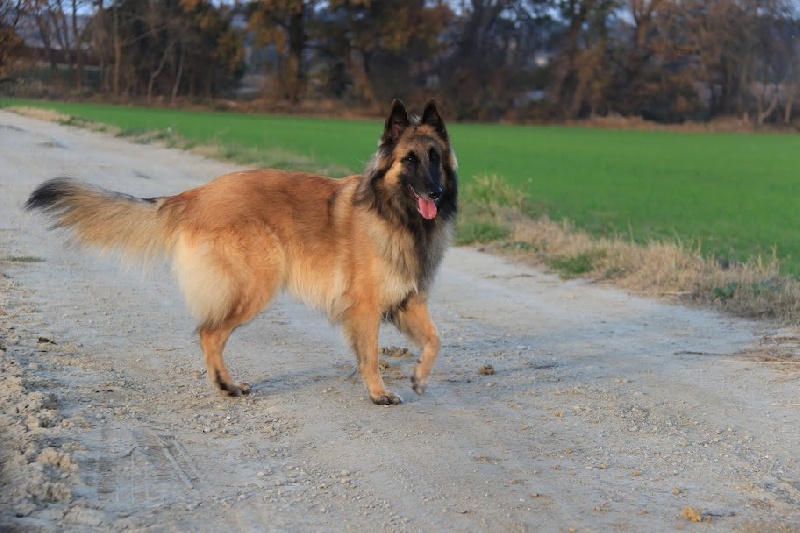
414, 320
361, 326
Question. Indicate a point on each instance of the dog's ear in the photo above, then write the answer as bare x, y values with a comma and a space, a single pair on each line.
396, 123
432, 118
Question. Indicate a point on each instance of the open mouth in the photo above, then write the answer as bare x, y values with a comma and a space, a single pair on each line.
425, 206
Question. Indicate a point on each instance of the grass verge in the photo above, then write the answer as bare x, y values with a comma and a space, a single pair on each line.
275, 157
753, 289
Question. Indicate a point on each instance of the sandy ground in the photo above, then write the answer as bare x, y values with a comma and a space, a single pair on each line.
604, 411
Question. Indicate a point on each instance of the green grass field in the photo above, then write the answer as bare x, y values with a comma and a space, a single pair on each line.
734, 195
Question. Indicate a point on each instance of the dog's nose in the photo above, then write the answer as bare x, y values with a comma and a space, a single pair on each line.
435, 195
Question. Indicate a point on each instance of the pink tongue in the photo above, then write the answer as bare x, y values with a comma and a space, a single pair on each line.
427, 208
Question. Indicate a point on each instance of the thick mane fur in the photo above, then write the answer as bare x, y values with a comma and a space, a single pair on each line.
431, 237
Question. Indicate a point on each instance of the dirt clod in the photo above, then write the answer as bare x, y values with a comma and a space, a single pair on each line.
394, 351
694, 515
486, 370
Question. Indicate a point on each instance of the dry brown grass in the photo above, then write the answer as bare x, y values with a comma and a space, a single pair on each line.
755, 289
725, 123
39, 113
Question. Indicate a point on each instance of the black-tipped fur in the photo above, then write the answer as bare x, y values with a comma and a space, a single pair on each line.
49, 194
53, 195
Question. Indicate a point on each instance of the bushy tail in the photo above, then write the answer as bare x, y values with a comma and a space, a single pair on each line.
136, 228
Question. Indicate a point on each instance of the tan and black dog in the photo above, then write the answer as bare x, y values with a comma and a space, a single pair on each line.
364, 249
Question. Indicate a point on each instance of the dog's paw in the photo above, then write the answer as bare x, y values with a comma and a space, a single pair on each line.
419, 385
389, 398
233, 391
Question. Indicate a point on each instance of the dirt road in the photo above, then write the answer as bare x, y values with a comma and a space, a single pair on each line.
605, 411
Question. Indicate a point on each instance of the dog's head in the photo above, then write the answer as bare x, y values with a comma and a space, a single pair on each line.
415, 164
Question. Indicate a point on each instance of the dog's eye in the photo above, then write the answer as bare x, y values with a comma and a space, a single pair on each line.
433, 156
411, 158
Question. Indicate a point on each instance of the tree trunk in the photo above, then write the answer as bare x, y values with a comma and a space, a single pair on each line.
178, 76
44, 33
77, 55
566, 76
98, 40
62, 36
764, 114
157, 71
297, 45
117, 45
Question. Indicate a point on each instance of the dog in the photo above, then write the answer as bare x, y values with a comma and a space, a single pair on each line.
364, 249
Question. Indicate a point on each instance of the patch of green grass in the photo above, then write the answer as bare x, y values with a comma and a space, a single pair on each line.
494, 195
762, 288
488, 206
726, 292
519, 246
24, 259
733, 194
472, 231
576, 265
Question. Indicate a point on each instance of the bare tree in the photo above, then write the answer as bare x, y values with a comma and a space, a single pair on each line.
77, 53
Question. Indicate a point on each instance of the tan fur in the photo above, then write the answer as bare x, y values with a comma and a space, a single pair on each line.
238, 240
114, 223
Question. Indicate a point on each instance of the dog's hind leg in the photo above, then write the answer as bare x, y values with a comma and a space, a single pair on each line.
227, 281
415, 322
361, 327
213, 340
213, 337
